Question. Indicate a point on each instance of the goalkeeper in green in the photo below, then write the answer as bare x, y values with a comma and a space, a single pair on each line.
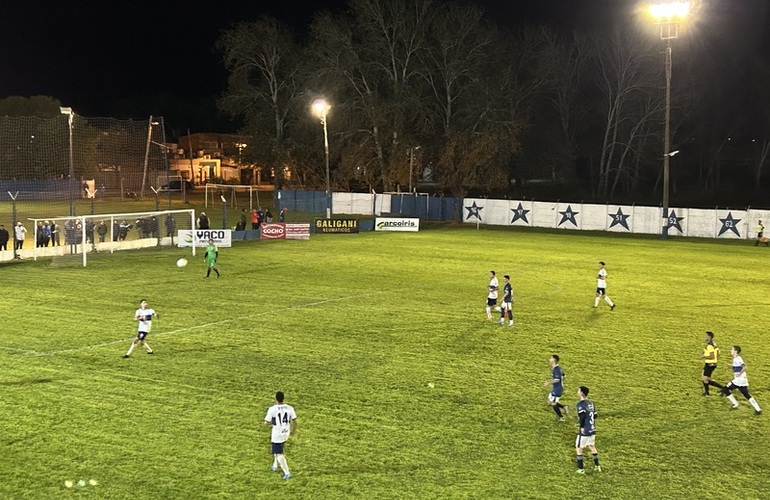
210, 258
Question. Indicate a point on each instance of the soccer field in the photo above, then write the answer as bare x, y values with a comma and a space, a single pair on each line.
401, 387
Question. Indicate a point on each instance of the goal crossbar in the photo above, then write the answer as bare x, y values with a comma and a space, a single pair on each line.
80, 232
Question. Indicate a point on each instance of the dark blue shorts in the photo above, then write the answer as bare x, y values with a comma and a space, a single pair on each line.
600, 291
142, 335
277, 448
491, 302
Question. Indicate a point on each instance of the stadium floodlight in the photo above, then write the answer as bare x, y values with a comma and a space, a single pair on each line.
321, 110
668, 15
670, 10
70, 116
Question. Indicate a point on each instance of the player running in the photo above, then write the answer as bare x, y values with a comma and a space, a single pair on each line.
144, 316
740, 381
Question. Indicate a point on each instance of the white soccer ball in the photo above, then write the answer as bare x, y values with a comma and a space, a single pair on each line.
181, 262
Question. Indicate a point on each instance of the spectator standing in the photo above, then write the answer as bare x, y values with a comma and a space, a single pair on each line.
203, 221
90, 227
101, 230
244, 218
123, 230
254, 219
47, 232
55, 240
282, 215
39, 234
268, 216
19, 233
4, 236
170, 226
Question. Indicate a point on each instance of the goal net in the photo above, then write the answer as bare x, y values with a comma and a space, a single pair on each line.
235, 195
75, 165
105, 233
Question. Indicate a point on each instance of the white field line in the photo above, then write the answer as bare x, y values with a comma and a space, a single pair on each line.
186, 329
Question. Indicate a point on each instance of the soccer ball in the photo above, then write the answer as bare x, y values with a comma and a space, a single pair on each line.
181, 262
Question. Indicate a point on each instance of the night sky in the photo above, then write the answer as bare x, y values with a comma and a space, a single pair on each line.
113, 58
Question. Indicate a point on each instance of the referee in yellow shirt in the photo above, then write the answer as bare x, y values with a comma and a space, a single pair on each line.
710, 356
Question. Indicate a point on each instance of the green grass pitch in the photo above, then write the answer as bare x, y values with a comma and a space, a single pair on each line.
354, 328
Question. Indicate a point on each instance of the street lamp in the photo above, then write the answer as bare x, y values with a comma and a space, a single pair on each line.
321, 110
240, 146
70, 117
668, 16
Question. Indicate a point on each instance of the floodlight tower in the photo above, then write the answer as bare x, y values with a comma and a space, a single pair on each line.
668, 16
321, 110
70, 118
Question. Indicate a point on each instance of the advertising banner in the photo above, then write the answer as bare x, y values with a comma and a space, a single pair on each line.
272, 231
347, 226
297, 231
222, 237
397, 224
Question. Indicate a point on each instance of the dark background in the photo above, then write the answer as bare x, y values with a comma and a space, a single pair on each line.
133, 59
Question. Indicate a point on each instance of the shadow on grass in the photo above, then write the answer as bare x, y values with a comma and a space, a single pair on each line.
31, 381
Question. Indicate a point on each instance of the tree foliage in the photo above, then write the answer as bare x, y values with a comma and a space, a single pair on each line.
490, 112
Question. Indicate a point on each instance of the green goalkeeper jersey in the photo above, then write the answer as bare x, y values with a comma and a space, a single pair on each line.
211, 254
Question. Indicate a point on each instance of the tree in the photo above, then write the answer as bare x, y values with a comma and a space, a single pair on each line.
628, 88
263, 87
368, 62
473, 133
41, 106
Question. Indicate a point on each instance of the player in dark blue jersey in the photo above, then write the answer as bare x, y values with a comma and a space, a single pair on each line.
587, 433
506, 307
557, 387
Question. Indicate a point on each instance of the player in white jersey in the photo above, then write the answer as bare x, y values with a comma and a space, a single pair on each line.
740, 381
284, 421
492, 289
601, 287
144, 316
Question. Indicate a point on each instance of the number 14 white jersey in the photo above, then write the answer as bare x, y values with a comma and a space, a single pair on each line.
280, 415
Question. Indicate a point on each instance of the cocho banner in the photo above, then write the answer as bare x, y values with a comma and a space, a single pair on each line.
272, 231
397, 224
285, 231
336, 225
222, 237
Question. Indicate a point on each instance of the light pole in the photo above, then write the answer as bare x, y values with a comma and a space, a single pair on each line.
70, 117
668, 16
411, 165
321, 110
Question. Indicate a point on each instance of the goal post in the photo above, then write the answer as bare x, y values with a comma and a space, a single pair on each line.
234, 194
106, 233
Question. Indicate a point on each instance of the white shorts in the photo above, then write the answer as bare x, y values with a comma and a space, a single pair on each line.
552, 398
505, 306
583, 441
